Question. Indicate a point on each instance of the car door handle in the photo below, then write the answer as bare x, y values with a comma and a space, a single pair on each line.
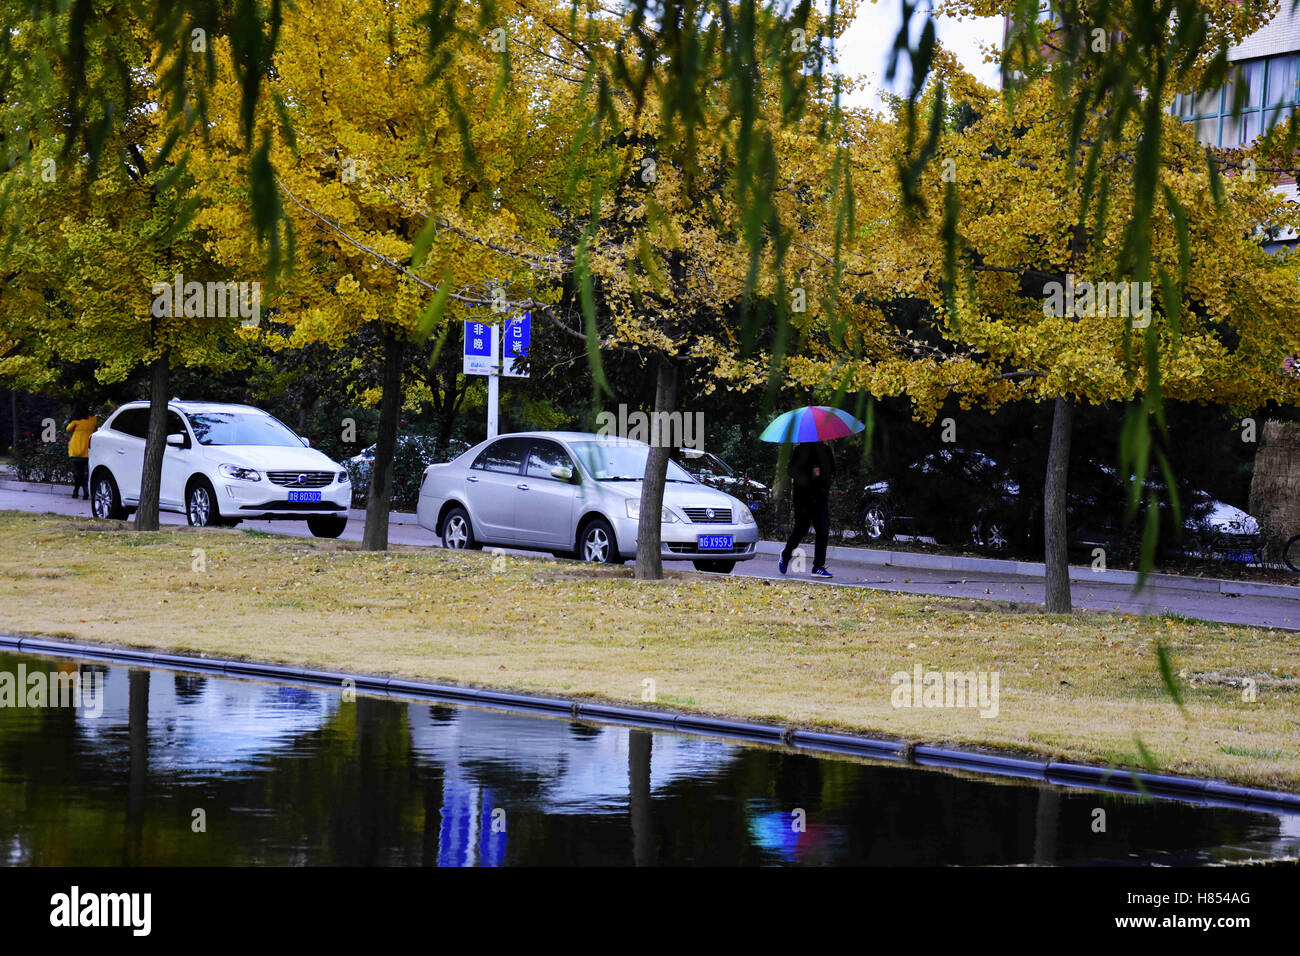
471, 478
121, 451
521, 486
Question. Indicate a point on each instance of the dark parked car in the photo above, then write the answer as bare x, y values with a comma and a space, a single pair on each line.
708, 469
952, 495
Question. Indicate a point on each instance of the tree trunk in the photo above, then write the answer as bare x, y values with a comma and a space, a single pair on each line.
450, 393
781, 484
1046, 821
137, 783
639, 802
1055, 537
649, 563
381, 475
146, 515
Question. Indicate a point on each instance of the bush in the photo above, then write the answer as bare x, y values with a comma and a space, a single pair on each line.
43, 461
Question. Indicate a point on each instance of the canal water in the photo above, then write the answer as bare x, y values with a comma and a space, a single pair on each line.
166, 768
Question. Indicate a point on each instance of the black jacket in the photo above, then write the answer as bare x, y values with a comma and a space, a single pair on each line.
806, 457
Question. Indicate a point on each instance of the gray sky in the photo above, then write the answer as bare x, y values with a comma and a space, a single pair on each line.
865, 46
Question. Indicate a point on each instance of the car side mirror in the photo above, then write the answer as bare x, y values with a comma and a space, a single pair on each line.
176, 441
306, 441
562, 473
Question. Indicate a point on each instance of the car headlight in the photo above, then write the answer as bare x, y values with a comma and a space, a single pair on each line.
746, 516
634, 511
243, 474
343, 478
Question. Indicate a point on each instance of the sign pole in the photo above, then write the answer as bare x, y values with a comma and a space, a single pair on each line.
494, 385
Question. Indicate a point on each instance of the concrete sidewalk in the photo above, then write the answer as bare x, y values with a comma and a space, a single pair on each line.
1035, 569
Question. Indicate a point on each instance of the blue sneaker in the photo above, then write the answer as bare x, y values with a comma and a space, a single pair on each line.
821, 573
782, 564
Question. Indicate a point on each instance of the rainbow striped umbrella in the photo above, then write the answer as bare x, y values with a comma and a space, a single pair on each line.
811, 423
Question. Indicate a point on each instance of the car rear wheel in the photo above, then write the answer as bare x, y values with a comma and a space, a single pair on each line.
1291, 554
990, 535
457, 532
105, 502
722, 567
326, 526
201, 505
598, 545
875, 521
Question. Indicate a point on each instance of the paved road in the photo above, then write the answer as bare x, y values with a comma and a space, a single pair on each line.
1210, 606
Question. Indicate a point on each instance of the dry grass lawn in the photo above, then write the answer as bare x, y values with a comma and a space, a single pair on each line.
1085, 687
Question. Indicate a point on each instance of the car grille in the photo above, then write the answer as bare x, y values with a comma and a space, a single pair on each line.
312, 479
700, 515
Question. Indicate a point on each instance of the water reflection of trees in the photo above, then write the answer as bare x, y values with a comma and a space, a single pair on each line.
365, 785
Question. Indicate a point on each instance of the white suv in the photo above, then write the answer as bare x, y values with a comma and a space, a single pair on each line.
222, 464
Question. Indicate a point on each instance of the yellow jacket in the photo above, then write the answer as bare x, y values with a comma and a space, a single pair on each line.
79, 443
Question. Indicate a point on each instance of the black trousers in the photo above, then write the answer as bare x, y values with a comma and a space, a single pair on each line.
79, 480
811, 507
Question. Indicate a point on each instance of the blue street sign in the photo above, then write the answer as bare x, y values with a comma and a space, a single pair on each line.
479, 339
518, 335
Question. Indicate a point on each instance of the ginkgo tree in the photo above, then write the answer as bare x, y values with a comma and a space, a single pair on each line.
688, 253
1042, 308
404, 219
91, 248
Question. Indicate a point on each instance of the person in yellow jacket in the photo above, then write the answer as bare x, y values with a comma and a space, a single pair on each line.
81, 427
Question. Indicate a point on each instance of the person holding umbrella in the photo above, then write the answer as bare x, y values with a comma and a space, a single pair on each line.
812, 469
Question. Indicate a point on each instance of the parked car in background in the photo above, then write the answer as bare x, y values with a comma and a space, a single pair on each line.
1226, 532
1212, 531
222, 464
708, 469
578, 494
964, 498
954, 495
412, 455
424, 447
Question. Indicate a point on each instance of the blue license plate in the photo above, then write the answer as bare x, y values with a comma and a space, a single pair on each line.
304, 496
714, 542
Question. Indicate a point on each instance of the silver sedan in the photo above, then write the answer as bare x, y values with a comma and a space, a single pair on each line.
578, 494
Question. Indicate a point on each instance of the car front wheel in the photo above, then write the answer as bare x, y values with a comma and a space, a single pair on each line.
104, 499
598, 544
201, 505
326, 526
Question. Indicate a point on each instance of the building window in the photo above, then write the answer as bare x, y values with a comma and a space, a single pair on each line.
1270, 90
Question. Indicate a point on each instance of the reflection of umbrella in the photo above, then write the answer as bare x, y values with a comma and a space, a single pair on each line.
811, 423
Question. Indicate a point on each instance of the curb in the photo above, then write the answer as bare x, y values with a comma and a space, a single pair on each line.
43, 487
46, 488
948, 562
1163, 786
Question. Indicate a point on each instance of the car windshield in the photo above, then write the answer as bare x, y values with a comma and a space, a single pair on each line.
240, 428
704, 463
616, 461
